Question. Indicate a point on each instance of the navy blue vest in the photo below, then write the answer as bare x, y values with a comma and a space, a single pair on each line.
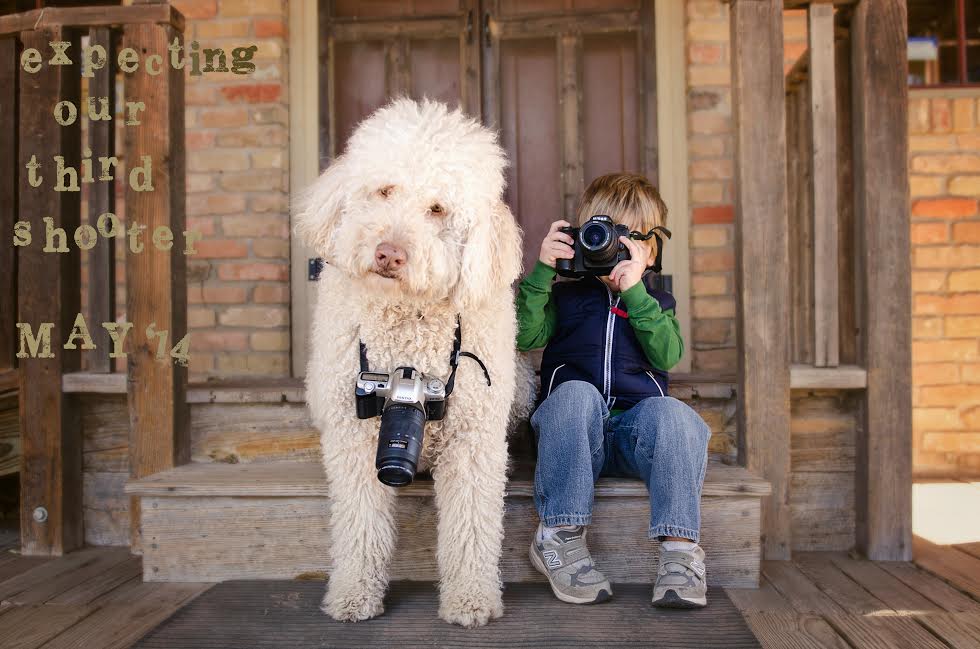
594, 343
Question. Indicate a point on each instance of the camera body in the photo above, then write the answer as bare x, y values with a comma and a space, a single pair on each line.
597, 248
405, 399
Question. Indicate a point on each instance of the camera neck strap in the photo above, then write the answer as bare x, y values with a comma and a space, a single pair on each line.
639, 236
453, 359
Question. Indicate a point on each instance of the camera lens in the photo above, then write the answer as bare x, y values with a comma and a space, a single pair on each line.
399, 444
599, 244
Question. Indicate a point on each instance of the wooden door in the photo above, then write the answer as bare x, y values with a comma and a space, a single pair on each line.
571, 84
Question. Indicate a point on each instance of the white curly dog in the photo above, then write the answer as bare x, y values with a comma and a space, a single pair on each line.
411, 223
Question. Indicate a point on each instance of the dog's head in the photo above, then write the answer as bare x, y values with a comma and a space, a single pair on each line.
414, 206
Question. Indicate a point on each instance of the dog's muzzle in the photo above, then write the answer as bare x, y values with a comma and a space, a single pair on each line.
389, 259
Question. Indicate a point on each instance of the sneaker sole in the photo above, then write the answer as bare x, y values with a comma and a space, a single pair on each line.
672, 600
602, 596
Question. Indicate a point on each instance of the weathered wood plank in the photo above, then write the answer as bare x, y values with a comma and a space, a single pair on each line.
156, 283
92, 589
958, 630
973, 549
958, 568
99, 16
553, 25
9, 57
46, 571
823, 185
29, 627
777, 630
102, 199
762, 257
883, 585
842, 377
107, 519
647, 71
92, 567
930, 587
880, 94
470, 43
885, 632
847, 274
408, 29
570, 87
48, 291
398, 69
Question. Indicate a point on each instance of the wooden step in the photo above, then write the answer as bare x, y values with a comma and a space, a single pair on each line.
215, 522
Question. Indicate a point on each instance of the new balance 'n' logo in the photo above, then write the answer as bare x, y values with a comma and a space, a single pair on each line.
552, 558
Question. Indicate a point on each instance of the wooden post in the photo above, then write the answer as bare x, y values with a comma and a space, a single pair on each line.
880, 107
469, 69
762, 258
9, 172
570, 114
156, 282
48, 291
102, 199
647, 48
823, 186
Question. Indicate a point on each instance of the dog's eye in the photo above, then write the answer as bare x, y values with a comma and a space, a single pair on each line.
437, 209
385, 191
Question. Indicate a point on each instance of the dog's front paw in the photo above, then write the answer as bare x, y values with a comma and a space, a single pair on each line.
471, 609
351, 605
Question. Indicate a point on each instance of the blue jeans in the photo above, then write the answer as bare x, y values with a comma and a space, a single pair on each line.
660, 440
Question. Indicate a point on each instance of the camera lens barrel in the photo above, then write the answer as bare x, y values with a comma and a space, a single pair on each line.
399, 444
599, 242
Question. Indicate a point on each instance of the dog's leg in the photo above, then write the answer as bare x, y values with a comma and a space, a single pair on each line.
469, 482
362, 533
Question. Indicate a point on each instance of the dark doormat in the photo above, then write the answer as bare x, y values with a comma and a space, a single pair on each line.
286, 615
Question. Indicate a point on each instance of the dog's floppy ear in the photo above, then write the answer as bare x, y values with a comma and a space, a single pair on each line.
491, 256
318, 207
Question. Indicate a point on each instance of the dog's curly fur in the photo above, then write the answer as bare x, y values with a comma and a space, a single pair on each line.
461, 261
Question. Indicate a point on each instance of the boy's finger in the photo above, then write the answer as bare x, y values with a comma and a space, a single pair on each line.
632, 246
558, 224
561, 236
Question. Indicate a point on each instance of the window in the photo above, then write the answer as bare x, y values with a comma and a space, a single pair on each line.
944, 42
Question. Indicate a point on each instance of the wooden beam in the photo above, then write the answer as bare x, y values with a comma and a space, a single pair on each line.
556, 24
570, 113
842, 377
398, 67
848, 308
9, 65
762, 258
419, 28
880, 108
647, 70
102, 199
156, 282
100, 16
823, 183
48, 291
469, 61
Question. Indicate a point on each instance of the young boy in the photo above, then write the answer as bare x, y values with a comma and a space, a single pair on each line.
603, 407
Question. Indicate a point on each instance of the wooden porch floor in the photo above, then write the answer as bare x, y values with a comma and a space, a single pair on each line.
94, 598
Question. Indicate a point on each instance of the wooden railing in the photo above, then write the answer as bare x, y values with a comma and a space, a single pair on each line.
47, 287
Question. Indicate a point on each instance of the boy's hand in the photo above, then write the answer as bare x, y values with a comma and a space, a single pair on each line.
630, 271
556, 245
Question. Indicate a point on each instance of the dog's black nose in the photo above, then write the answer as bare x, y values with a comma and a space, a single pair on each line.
388, 256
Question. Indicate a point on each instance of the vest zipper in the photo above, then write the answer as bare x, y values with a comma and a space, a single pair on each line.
607, 356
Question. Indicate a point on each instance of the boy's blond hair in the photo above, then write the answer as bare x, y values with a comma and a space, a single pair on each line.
626, 198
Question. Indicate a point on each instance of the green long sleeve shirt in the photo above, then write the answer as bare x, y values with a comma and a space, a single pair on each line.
657, 330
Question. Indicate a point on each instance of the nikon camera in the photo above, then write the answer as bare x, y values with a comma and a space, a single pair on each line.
405, 399
597, 248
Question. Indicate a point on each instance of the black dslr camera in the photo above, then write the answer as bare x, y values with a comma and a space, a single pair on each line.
598, 249
405, 399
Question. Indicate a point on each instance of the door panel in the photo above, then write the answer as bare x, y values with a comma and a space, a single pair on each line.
435, 70
610, 105
359, 71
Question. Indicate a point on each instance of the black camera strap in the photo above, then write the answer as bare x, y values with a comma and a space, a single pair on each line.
639, 236
453, 359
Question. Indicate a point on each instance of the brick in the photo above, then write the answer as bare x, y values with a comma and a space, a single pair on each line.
254, 316
714, 214
713, 307
252, 93
198, 271
709, 237
705, 9
968, 141
927, 185
963, 114
224, 117
271, 294
964, 280
271, 202
234, 8
970, 373
261, 363
707, 192
218, 160
712, 261
197, 140
932, 143
701, 30
717, 169
923, 233
203, 224
942, 120
219, 340
198, 93
198, 317
704, 53
946, 163
254, 271
255, 226
221, 249
934, 351
794, 27
946, 256
928, 281
200, 364
270, 48
213, 29
706, 147
971, 418
713, 332
919, 118
254, 181
270, 341
967, 233
222, 294
269, 27
927, 327
709, 285
197, 9
278, 248
955, 304
708, 99
268, 159
963, 327
709, 75
949, 395
215, 204
714, 360
791, 53
936, 419
960, 442
254, 136
705, 123
965, 186
944, 208
935, 373
276, 114
199, 183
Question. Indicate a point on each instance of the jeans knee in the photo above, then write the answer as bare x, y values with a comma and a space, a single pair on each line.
672, 419
580, 393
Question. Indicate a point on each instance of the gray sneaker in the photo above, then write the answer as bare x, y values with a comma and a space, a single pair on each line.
565, 560
680, 579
